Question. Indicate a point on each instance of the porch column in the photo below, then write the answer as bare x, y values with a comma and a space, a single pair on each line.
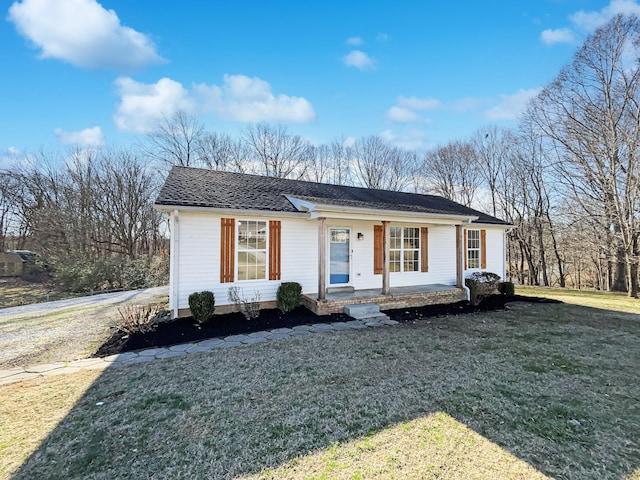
459, 252
322, 258
385, 257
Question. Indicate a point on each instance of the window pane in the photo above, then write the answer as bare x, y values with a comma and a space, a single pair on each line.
394, 261
411, 261
396, 237
411, 238
474, 259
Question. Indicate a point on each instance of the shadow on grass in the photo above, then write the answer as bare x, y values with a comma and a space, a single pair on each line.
555, 386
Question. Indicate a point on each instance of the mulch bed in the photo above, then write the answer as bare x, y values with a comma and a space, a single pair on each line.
183, 330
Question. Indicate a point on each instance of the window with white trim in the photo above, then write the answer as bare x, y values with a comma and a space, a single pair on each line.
252, 250
404, 249
473, 248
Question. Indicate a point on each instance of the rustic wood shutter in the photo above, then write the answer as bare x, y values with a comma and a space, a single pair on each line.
378, 239
465, 249
424, 249
274, 249
483, 249
227, 249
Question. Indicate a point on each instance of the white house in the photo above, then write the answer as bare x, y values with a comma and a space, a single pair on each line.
343, 244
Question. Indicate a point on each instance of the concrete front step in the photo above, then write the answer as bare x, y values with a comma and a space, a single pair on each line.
367, 312
361, 309
379, 316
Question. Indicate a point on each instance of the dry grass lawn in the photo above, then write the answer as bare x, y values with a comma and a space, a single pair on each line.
539, 390
616, 301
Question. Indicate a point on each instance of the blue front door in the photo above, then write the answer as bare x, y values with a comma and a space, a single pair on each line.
339, 254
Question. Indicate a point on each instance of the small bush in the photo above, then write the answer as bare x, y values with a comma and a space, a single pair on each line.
138, 318
507, 289
481, 284
202, 305
289, 296
249, 308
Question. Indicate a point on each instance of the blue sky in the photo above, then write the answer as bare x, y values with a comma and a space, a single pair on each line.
88, 74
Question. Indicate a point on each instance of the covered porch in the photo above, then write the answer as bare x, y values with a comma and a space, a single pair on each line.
398, 297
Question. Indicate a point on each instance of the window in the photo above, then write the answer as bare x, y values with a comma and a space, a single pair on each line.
473, 248
404, 249
252, 250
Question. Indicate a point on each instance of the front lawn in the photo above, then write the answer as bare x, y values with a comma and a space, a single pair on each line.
617, 301
541, 389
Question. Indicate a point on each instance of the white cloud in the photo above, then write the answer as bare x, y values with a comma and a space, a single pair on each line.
358, 59
403, 115
409, 140
510, 106
354, 41
250, 99
414, 103
10, 158
240, 98
89, 137
559, 35
382, 37
586, 22
82, 33
589, 21
142, 105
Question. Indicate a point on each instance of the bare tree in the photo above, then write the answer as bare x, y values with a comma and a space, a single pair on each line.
176, 140
380, 165
276, 152
592, 113
452, 172
219, 151
493, 146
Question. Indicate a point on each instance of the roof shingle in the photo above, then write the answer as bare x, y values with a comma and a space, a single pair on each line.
195, 187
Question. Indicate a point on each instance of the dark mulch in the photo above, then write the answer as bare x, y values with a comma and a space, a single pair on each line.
184, 330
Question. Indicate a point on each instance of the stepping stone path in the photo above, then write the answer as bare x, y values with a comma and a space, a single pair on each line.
13, 375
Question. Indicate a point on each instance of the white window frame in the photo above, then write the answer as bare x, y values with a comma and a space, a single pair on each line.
239, 249
402, 250
475, 262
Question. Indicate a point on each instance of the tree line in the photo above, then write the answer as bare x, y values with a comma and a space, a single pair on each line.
565, 176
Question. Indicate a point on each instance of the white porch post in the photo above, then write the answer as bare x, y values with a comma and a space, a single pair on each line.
386, 287
322, 258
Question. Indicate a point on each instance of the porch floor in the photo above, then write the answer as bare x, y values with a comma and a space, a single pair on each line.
399, 297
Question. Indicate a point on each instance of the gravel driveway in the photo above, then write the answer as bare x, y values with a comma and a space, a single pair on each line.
63, 330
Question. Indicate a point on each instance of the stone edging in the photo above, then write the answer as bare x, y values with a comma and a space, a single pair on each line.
18, 374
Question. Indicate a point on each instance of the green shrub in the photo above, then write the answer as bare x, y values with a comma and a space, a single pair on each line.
202, 305
507, 289
481, 284
289, 296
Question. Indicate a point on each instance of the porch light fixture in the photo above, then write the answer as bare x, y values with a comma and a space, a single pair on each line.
360, 236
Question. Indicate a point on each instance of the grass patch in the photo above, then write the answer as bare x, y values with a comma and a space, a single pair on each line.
589, 298
15, 292
548, 389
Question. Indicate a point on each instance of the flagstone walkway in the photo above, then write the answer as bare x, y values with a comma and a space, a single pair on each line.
18, 374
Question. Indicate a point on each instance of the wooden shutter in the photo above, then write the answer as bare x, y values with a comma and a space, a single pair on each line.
483, 249
378, 240
424, 249
274, 249
227, 249
465, 248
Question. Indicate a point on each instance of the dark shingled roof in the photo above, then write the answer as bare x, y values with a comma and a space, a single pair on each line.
195, 187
